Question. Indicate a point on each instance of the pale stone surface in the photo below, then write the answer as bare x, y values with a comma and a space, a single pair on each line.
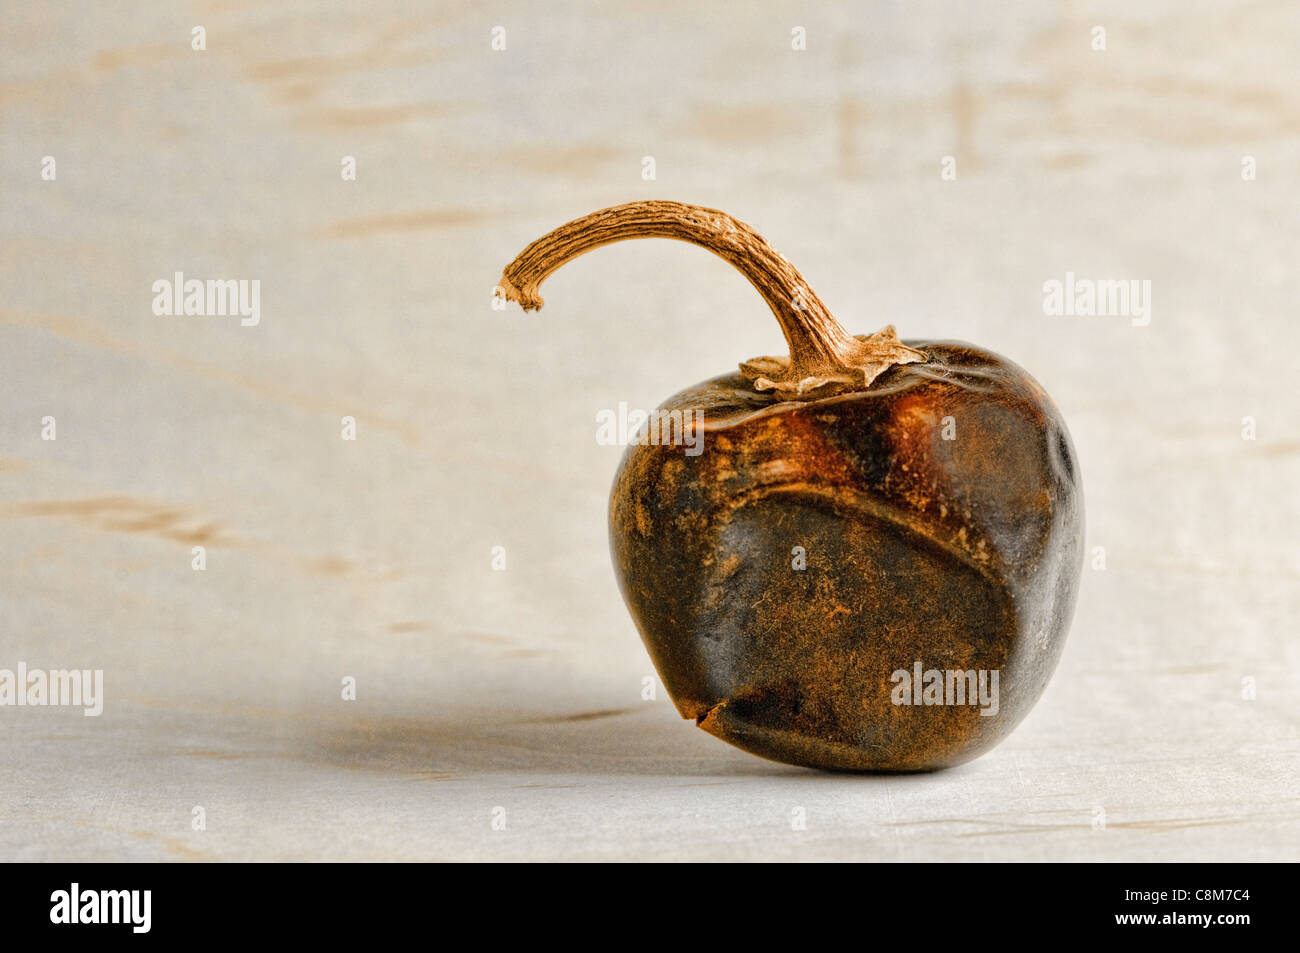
522, 689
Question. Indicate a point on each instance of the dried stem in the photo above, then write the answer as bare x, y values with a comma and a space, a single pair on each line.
824, 358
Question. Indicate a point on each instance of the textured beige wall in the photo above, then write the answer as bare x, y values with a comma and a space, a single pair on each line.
476, 428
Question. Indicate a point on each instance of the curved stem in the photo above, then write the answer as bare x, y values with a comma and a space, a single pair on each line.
824, 358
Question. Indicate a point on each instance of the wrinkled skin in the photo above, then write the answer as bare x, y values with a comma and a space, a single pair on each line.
959, 553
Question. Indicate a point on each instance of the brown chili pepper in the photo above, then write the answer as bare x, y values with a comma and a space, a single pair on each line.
873, 563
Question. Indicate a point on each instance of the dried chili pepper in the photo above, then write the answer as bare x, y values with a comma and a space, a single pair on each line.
873, 563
